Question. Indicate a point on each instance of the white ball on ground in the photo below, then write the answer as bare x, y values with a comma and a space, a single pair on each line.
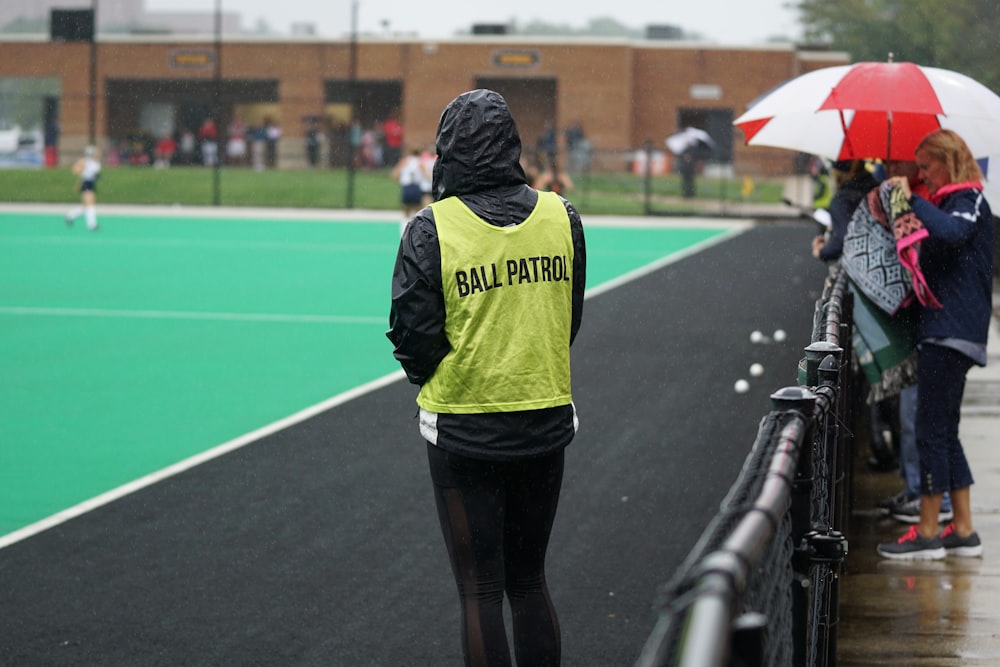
756, 370
756, 336
741, 386
779, 335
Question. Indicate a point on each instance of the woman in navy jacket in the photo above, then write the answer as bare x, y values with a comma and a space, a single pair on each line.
957, 261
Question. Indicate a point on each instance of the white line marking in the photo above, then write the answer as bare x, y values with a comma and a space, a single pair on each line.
190, 315
243, 440
197, 459
161, 242
665, 261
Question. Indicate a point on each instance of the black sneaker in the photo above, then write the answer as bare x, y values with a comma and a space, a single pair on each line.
909, 512
913, 546
886, 504
969, 546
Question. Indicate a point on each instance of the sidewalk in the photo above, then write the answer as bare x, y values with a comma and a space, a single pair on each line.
939, 613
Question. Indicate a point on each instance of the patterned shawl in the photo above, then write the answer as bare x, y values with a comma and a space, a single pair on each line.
881, 250
909, 232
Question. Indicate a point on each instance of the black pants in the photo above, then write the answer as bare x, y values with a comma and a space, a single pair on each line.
496, 518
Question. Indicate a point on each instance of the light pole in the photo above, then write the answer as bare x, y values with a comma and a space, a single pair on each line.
92, 109
351, 85
216, 105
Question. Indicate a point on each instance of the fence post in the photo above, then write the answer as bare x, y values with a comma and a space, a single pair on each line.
802, 400
815, 354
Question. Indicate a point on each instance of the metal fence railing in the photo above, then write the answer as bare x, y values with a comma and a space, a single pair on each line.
760, 588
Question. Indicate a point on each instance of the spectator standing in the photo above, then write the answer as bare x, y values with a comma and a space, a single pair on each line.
312, 143
854, 181
369, 149
208, 135
52, 142
553, 179
236, 143
187, 147
272, 133
166, 147
427, 158
905, 506
577, 148
258, 147
822, 187
689, 170
548, 146
957, 262
393, 134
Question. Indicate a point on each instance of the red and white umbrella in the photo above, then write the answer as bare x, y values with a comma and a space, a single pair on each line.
873, 110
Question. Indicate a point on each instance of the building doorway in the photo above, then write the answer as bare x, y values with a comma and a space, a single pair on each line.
532, 102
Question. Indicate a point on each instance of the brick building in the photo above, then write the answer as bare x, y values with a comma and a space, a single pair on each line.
622, 92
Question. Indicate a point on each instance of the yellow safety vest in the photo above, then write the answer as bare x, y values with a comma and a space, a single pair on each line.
508, 296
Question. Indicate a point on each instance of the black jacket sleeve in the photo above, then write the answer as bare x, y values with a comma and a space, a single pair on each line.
416, 314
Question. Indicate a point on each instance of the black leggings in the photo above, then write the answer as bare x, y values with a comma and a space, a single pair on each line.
496, 518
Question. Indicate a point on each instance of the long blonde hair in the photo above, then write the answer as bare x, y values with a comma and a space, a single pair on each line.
947, 147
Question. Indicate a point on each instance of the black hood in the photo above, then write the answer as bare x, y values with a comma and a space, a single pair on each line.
478, 146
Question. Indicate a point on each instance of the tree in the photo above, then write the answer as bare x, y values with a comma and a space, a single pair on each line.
952, 34
598, 27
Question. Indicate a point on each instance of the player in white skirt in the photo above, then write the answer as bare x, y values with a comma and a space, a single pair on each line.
87, 169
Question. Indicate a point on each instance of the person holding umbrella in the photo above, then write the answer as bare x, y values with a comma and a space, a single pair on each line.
957, 262
688, 145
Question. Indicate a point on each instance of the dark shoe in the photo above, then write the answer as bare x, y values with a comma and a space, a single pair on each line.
913, 546
69, 220
968, 547
879, 464
909, 512
886, 504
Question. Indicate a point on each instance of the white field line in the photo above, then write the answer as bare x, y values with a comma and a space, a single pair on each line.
189, 315
218, 212
191, 462
635, 274
733, 229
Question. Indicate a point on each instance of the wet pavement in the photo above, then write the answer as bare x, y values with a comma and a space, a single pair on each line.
939, 613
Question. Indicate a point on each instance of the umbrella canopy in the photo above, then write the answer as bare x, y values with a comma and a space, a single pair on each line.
873, 110
991, 186
687, 138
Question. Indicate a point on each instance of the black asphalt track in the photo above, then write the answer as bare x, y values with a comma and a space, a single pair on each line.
319, 545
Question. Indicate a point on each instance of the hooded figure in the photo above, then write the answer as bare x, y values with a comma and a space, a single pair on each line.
487, 297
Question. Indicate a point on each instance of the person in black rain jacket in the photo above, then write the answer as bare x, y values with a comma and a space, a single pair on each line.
487, 297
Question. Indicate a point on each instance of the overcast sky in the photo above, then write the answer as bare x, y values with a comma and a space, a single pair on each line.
719, 21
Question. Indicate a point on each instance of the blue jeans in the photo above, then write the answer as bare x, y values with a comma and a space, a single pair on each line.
909, 457
941, 378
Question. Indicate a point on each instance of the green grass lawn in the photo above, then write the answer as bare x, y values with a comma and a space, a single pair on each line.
596, 194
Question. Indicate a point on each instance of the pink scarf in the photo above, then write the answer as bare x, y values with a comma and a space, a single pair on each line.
946, 190
909, 232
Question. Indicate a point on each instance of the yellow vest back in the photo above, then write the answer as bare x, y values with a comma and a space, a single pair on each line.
508, 294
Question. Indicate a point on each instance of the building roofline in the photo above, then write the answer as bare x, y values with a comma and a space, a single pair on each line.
500, 40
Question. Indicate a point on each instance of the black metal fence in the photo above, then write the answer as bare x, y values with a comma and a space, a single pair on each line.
761, 585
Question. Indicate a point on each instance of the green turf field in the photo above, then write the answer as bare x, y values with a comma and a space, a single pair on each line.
159, 337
